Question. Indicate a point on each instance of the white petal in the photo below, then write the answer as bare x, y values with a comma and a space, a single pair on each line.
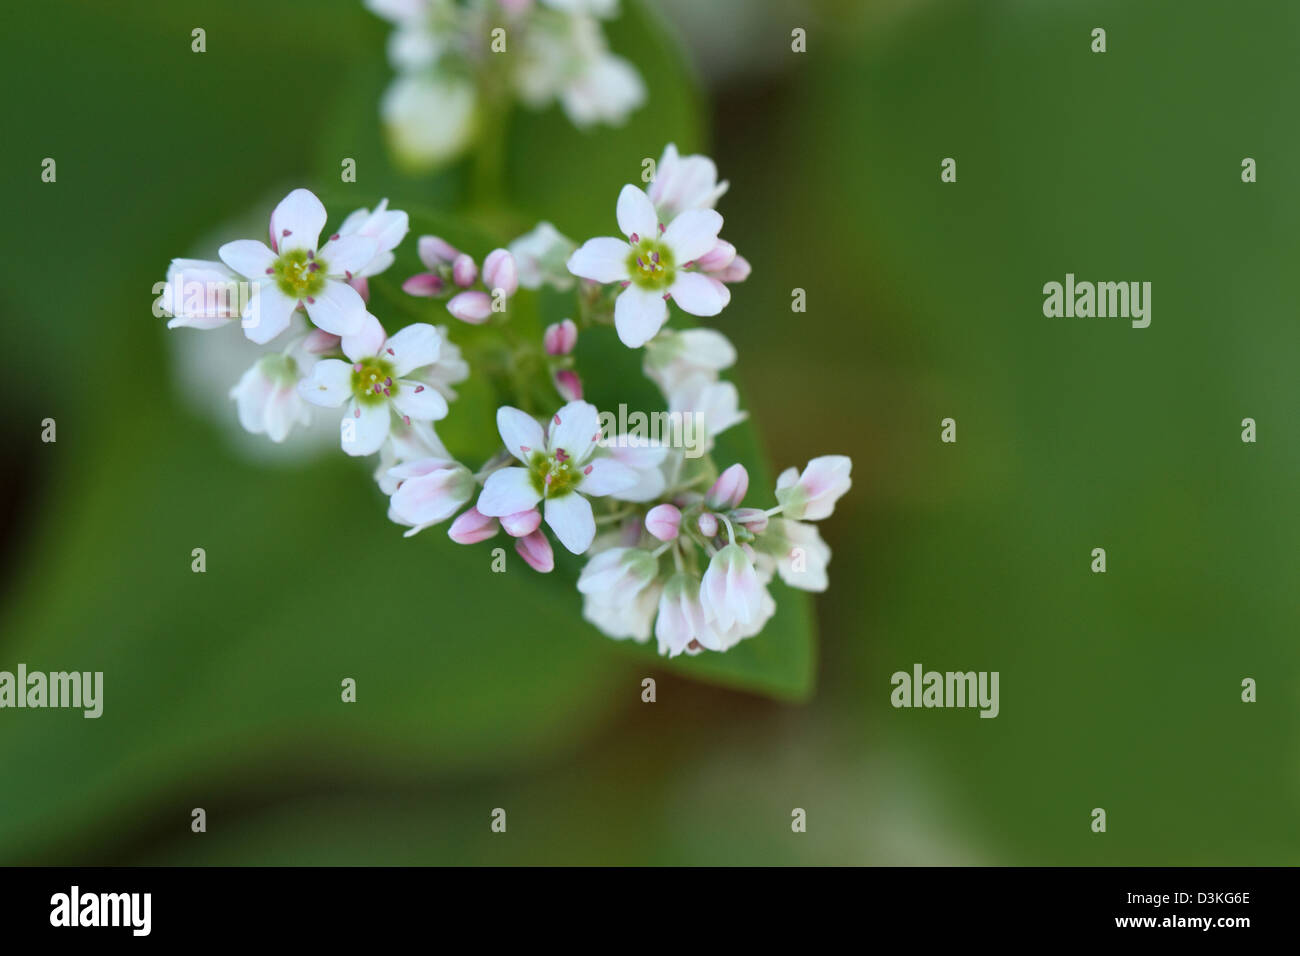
608, 477
506, 492
638, 315
371, 427
636, 214
571, 519
698, 294
521, 434
338, 308
576, 429
302, 216
413, 347
267, 313
366, 341
601, 260
329, 385
692, 234
347, 254
419, 402
248, 257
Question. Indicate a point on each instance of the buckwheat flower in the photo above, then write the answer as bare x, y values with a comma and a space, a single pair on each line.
406, 443
536, 551
654, 264
388, 227
623, 619
499, 272
568, 384
714, 405
474, 307
800, 554
811, 495
201, 294
292, 273
730, 591
724, 639
449, 369
428, 491
684, 182
472, 527
619, 591
645, 458
374, 385
540, 256
560, 338
663, 521
565, 57
267, 398
673, 360
559, 470
522, 523
681, 623
729, 490
429, 120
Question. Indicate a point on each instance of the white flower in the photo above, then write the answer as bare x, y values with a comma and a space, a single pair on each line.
730, 591
595, 8
429, 119
677, 361
811, 496
646, 460
540, 256
566, 58
620, 592
406, 443
267, 398
375, 385
450, 368
653, 264
681, 625
293, 274
558, 468
684, 182
387, 227
717, 405
201, 294
800, 554
428, 491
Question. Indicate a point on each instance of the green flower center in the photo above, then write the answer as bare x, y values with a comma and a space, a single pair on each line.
650, 264
299, 274
372, 381
553, 475
280, 368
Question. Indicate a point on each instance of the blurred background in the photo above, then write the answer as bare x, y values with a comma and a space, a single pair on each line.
924, 301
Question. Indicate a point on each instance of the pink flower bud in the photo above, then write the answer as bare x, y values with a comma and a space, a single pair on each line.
424, 284
729, 490
472, 307
707, 524
472, 527
568, 385
560, 338
738, 271
663, 521
717, 258
536, 550
464, 271
362, 285
522, 523
435, 252
499, 272
753, 520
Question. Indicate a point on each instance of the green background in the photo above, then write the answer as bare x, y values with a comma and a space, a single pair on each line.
478, 691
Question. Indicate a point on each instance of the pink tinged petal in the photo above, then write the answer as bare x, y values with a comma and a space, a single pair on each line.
506, 492
347, 255
824, 481
738, 271
536, 551
366, 342
420, 467
523, 523
575, 428
568, 384
318, 342
464, 271
248, 257
699, 294
426, 285
472, 527
472, 307
717, 258
730, 488
639, 314
267, 313
297, 221
636, 214
413, 347
329, 385
601, 260
369, 430
560, 338
337, 308
435, 252
283, 411
418, 402
428, 499
663, 521
520, 432
752, 519
693, 234
499, 272
605, 476
708, 525
571, 519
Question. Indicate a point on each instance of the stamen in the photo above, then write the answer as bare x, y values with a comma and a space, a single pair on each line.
285, 232
587, 470
419, 389
635, 238
389, 380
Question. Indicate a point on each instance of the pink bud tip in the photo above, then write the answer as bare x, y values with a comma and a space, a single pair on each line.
707, 524
522, 523
499, 272
536, 550
568, 385
472, 307
560, 338
464, 271
423, 284
472, 527
730, 488
663, 521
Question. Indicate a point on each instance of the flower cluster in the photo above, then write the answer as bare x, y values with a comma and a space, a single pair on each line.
671, 546
452, 55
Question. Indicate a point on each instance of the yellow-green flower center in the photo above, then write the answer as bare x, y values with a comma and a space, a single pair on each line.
553, 475
650, 264
299, 274
372, 381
